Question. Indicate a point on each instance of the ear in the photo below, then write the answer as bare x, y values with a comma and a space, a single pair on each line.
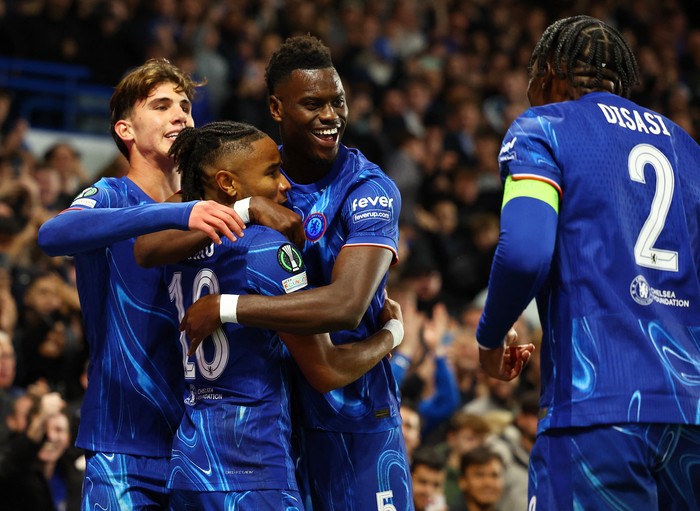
556, 88
226, 183
276, 108
123, 130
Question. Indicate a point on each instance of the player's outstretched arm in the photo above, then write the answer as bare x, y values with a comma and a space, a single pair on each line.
327, 366
357, 273
168, 247
76, 230
208, 221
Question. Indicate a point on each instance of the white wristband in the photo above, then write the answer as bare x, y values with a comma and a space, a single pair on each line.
396, 328
227, 308
242, 208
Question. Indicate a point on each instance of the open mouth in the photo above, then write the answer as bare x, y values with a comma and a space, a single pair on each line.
172, 135
327, 136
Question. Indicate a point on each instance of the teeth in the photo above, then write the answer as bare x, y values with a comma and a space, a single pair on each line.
329, 132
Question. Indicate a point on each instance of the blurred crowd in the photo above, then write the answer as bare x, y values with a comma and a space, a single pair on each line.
432, 86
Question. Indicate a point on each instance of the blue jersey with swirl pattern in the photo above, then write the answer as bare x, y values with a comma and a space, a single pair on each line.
133, 401
235, 434
356, 203
620, 309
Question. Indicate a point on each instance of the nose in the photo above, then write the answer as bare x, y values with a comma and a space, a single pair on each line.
328, 113
284, 185
182, 116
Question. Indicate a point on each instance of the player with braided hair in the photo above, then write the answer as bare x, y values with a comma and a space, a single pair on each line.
600, 223
233, 444
354, 449
590, 57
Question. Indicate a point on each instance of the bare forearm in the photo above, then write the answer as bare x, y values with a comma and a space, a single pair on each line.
324, 309
353, 360
168, 247
327, 367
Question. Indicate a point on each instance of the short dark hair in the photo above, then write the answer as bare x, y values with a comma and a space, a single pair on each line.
298, 52
589, 53
195, 149
428, 456
478, 456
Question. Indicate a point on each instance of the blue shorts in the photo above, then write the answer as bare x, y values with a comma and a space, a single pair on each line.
124, 482
258, 500
650, 467
357, 471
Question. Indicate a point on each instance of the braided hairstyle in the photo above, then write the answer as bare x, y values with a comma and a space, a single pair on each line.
299, 52
196, 151
590, 53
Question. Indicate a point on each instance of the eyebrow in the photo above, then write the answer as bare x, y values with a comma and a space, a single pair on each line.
167, 100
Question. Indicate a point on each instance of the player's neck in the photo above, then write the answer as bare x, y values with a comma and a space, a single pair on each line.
158, 180
303, 170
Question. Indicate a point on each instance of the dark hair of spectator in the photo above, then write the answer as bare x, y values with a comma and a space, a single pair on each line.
196, 149
429, 457
139, 83
51, 151
590, 53
299, 52
478, 456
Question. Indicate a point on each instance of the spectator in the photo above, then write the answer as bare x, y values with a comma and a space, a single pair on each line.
428, 476
67, 160
500, 397
50, 342
34, 475
465, 432
410, 426
481, 480
515, 443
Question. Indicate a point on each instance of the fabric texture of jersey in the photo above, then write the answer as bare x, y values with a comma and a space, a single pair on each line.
356, 203
235, 434
655, 467
620, 310
133, 401
124, 481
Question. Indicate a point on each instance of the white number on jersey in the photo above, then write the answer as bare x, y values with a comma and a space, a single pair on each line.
209, 369
645, 253
382, 498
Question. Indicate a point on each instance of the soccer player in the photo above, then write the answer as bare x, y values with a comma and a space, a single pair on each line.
600, 223
350, 210
133, 402
233, 444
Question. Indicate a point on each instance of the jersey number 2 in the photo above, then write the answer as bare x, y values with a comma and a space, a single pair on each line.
645, 253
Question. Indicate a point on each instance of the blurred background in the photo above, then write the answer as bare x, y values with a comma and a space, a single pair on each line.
432, 86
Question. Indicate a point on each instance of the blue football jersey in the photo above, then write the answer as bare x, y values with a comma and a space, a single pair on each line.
356, 203
236, 431
133, 401
620, 310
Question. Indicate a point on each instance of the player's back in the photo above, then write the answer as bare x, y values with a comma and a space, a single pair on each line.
235, 434
620, 311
